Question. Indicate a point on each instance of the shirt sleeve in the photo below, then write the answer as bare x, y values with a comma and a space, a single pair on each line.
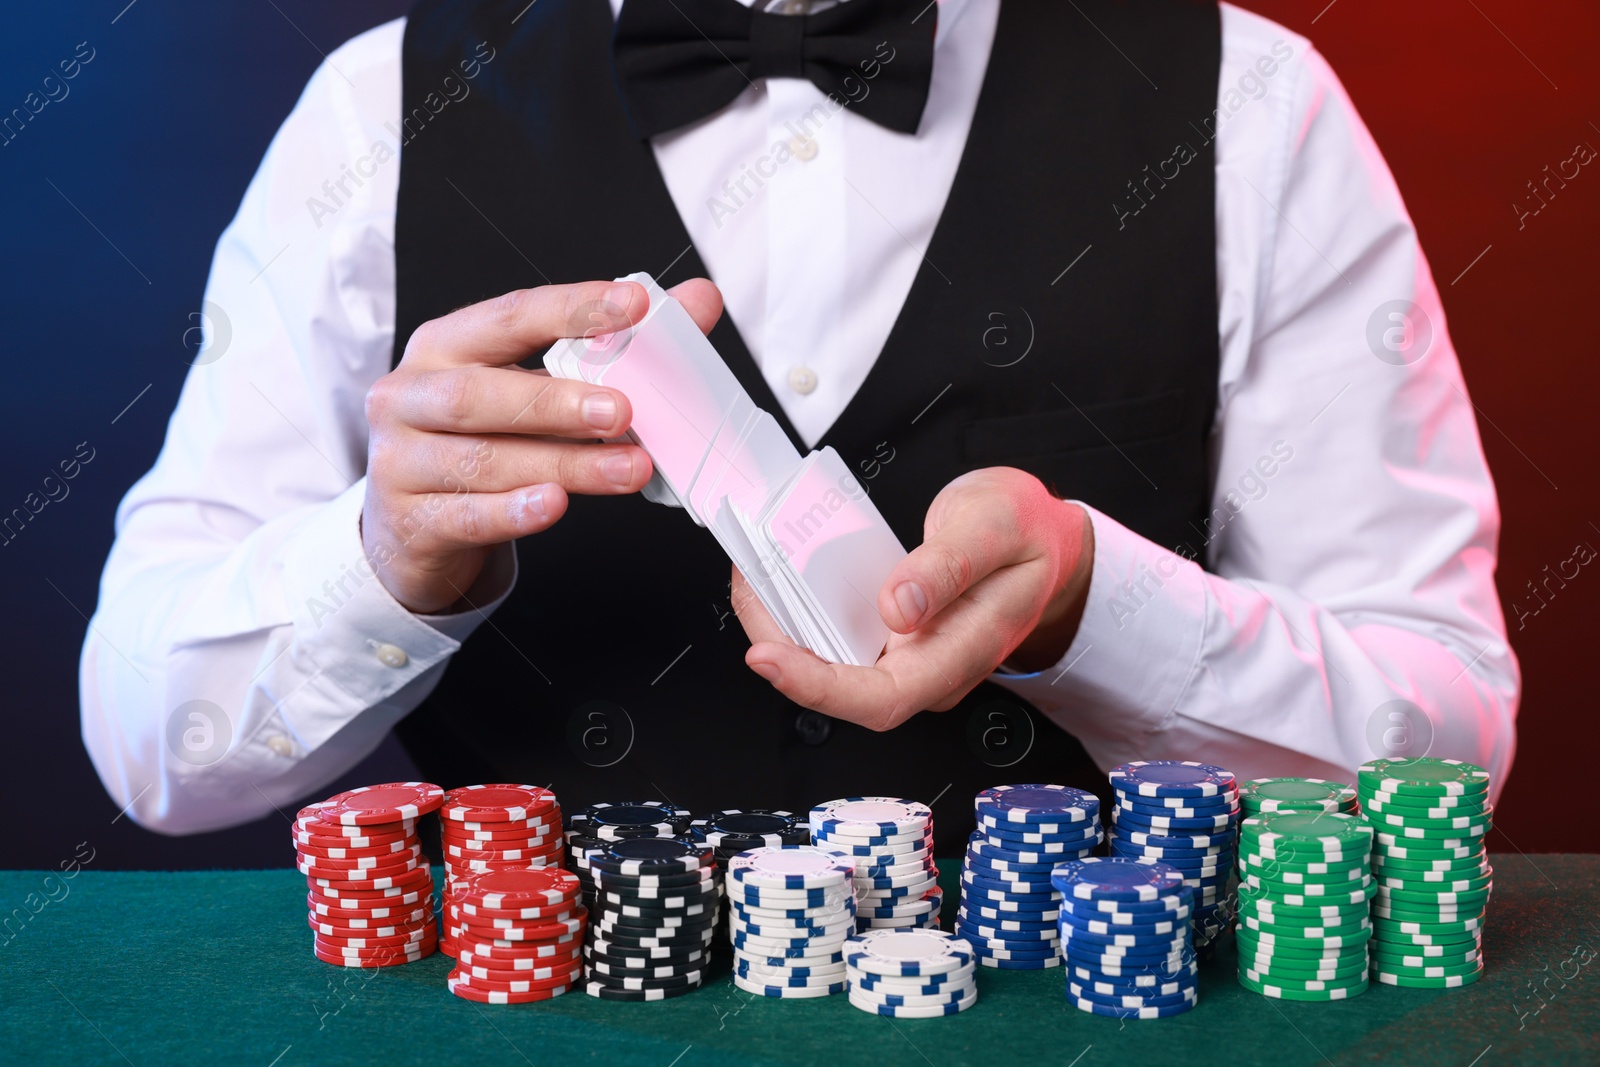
1347, 609
243, 653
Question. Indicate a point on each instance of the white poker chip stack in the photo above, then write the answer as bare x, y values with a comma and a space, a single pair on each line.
911, 974
791, 908
890, 841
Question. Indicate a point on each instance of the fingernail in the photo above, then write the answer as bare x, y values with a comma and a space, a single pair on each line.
619, 469
533, 503
599, 410
911, 600
768, 671
619, 297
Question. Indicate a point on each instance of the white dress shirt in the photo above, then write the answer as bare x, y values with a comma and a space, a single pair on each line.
239, 659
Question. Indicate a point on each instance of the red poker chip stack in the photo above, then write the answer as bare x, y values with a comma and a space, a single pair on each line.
519, 935
485, 828
371, 890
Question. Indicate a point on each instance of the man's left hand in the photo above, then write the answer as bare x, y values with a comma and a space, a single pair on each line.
1001, 577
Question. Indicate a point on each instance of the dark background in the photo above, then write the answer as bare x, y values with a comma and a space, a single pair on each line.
112, 199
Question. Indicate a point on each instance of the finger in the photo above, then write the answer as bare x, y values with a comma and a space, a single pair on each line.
758, 623
932, 669
489, 400
513, 326
459, 520
701, 299
458, 463
970, 543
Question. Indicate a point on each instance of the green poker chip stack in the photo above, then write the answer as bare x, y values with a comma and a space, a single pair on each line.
1260, 796
1429, 819
1305, 887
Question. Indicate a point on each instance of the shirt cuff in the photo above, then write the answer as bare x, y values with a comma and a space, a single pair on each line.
348, 626
1137, 647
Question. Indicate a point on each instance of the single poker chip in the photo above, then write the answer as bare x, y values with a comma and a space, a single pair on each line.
1317, 991
702, 879
770, 974
1041, 837
485, 804
388, 959
930, 1012
1172, 778
1222, 822
677, 981
383, 928
340, 911
356, 871
1024, 804
1296, 794
1112, 878
545, 827
914, 1000
871, 817
512, 982
774, 981
498, 996
605, 992
906, 952
753, 828
647, 818
643, 856
791, 867
393, 802
413, 878
788, 992
1207, 842
634, 968
1430, 852
1185, 995
1453, 981
1425, 776
533, 914
852, 848
1095, 1007
527, 887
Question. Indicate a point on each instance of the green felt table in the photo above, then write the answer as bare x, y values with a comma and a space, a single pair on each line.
216, 967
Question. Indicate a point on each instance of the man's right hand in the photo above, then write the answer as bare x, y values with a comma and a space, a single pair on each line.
467, 451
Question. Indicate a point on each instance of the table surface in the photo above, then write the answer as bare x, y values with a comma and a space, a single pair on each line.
157, 968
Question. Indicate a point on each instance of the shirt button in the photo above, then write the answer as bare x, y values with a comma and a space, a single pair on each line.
813, 727
391, 655
803, 148
802, 380
280, 745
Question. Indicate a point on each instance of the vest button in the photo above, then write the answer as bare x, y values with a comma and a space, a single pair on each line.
802, 380
813, 727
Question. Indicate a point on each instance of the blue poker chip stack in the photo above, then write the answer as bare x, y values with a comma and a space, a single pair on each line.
890, 841
1009, 909
791, 908
1125, 937
1185, 815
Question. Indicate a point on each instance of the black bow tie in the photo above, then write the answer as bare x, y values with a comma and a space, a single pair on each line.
680, 60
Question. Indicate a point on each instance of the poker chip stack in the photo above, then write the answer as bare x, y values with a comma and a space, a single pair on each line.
371, 891
891, 843
734, 831
911, 974
655, 909
519, 935
1430, 818
1009, 908
1125, 935
1305, 886
591, 830
1186, 815
791, 908
492, 828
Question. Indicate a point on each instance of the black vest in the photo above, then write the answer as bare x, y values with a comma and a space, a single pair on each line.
1064, 322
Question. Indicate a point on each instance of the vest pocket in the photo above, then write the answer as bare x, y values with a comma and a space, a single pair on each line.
1003, 440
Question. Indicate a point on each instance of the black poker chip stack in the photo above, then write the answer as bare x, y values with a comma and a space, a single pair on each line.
653, 918
589, 831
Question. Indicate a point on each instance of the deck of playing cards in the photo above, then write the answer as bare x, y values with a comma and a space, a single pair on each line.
801, 529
